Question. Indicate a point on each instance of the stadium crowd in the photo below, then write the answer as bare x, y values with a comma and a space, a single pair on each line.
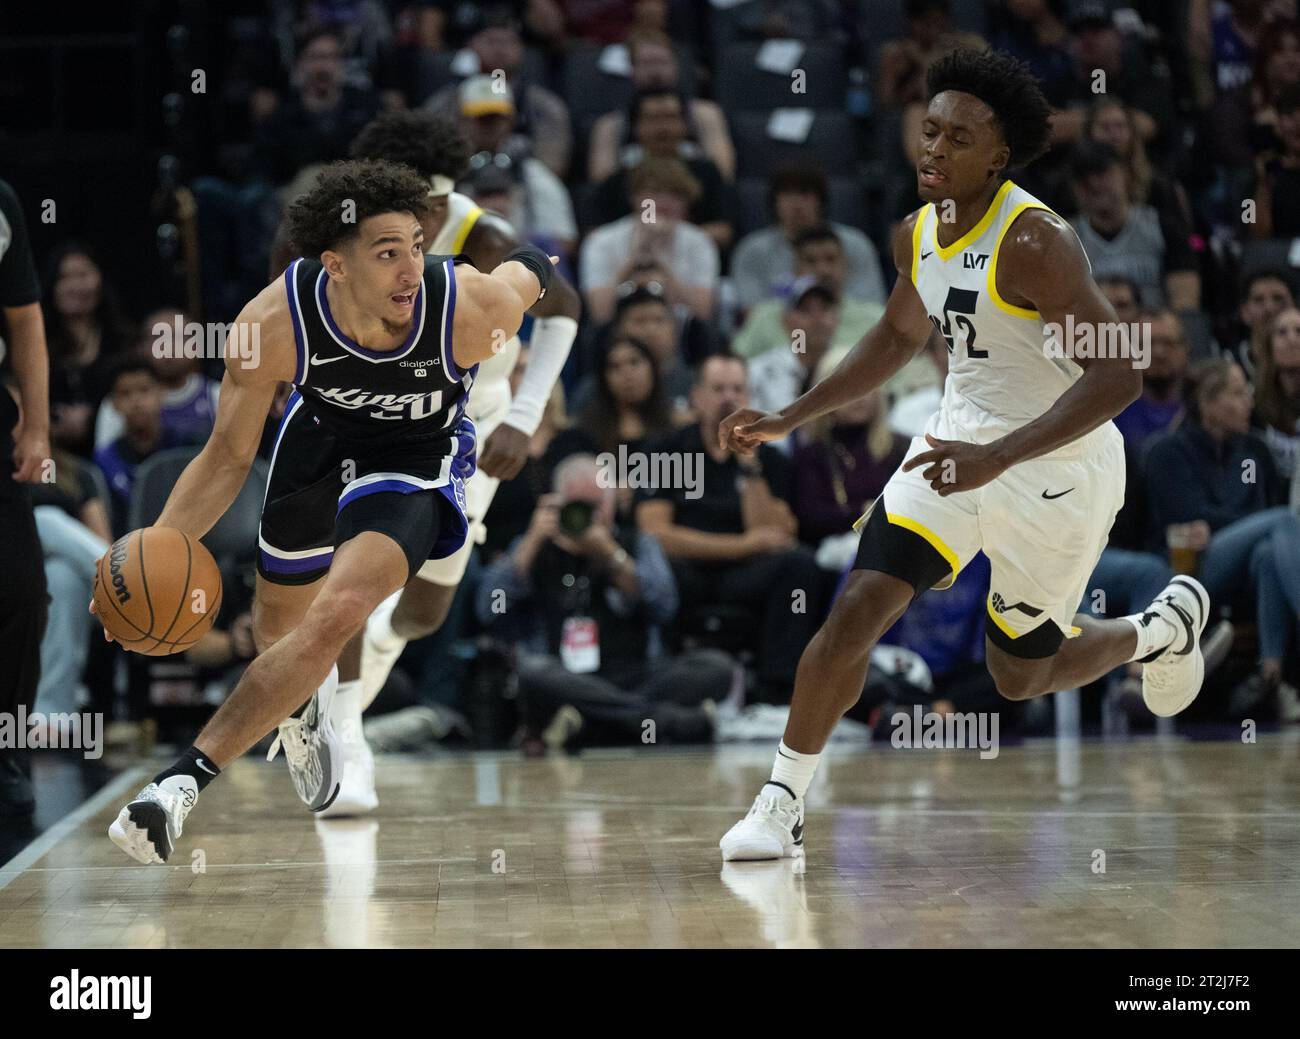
774, 141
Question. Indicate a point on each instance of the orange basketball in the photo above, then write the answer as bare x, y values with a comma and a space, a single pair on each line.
157, 591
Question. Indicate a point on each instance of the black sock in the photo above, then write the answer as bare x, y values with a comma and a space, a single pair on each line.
195, 764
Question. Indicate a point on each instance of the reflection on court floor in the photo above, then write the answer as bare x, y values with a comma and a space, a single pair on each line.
1153, 842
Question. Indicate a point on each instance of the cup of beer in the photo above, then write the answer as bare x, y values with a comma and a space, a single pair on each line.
1182, 547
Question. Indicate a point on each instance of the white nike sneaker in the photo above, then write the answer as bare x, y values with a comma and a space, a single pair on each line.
773, 829
147, 828
313, 751
1171, 681
357, 790
380, 649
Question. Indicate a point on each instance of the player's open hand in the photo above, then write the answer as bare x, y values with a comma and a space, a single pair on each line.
952, 465
742, 431
504, 452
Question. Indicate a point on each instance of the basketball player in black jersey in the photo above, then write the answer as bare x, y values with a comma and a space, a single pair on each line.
367, 477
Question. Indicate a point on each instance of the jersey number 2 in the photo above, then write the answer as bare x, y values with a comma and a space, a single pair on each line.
956, 310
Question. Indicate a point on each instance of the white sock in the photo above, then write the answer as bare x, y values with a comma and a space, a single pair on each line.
346, 711
793, 770
379, 627
1154, 633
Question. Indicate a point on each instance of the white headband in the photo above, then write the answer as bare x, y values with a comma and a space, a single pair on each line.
440, 185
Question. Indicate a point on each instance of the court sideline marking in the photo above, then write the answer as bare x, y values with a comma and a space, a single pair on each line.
14, 868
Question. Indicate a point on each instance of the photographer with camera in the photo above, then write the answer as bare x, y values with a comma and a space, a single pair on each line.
592, 594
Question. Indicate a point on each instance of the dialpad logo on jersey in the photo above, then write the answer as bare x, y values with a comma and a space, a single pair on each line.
421, 367
386, 405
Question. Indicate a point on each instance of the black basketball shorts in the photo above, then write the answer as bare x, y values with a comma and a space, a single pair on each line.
324, 490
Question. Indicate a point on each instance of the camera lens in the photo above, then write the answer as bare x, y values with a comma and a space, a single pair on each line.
575, 517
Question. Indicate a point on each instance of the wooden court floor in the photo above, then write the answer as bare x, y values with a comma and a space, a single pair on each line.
1199, 841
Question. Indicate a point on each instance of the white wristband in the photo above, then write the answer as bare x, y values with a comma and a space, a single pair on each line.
547, 351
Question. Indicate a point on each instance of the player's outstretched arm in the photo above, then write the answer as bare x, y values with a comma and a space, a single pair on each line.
491, 307
212, 480
887, 346
1043, 266
504, 452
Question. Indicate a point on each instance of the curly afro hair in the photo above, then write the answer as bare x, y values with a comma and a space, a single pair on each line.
320, 220
430, 145
1008, 87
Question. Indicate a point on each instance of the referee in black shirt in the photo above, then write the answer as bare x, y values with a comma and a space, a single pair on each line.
24, 458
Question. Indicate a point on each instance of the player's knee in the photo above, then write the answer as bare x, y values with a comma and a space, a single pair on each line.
269, 626
337, 615
425, 610
1019, 683
863, 613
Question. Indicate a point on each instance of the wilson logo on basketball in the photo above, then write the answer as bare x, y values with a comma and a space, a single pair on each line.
115, 560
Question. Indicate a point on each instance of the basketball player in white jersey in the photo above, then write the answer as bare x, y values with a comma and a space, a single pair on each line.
453, 225
1020, 461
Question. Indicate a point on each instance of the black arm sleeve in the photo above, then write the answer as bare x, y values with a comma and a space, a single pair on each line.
536, 261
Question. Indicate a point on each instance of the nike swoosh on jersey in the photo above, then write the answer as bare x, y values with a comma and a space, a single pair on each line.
317, 359
1051, 497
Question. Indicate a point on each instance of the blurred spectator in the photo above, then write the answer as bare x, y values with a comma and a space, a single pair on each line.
1277, 391
594, 21
1222, 36
910, 410
317, 122
842, 462
1113, 123
659, 128
654, 244
1116, 64
541, 117
730, 534
1223, 42
362, 28
71, 551
1277, 176
1265, 293
645, 317
136, 395
819, 254
1277, 68
86, 333
780, 375
1128, 240
596, 592
1161, 403
764, 260
74, 490
189, 396
508, 515
1034, 32
654, 68
788, 20
315, 125
627, 410
540, 206
1123, 295
1213, 487
903, 63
